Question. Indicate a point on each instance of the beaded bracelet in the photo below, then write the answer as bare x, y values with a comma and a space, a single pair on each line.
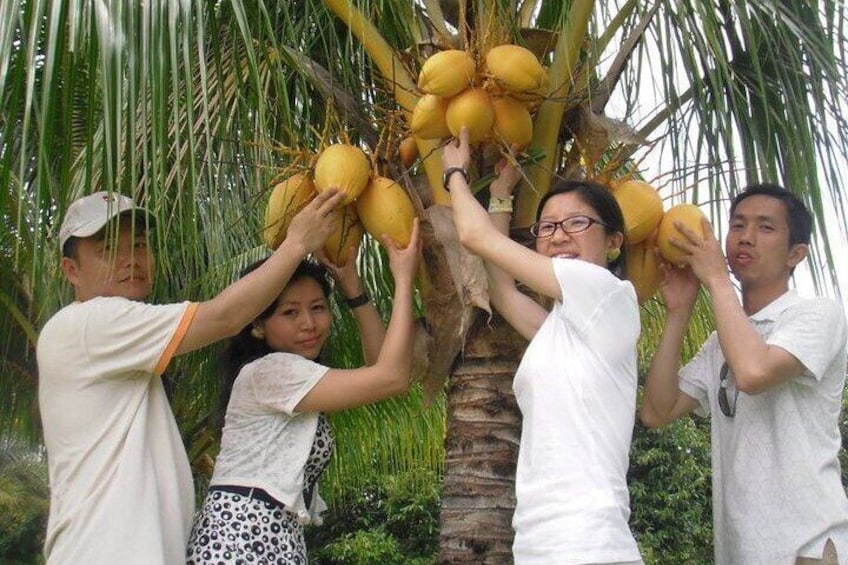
500, 205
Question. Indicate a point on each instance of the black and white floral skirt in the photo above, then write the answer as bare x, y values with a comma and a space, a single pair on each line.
232, 528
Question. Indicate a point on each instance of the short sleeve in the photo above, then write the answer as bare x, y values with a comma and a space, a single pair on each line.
813, 331
693, 374
279, 381
128, 336
586, 288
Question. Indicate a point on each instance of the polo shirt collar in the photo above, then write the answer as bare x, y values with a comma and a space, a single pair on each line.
771, 311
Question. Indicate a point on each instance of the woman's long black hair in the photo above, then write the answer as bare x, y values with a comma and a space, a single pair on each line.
243, 348
605, 204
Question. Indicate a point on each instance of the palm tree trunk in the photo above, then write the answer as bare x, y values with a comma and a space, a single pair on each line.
481, 448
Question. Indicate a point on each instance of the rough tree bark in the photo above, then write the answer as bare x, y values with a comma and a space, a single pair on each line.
484, 426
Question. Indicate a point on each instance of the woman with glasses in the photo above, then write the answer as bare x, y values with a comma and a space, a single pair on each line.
576, 384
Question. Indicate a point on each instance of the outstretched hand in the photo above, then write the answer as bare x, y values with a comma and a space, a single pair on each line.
313, 225
457, 152
404, 262
347, 277
702, 254
679, 286
508, 176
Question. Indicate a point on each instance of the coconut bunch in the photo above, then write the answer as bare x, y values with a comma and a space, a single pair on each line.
373, 204
494, 102
649, 227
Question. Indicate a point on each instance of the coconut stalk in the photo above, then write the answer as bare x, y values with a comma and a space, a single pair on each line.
548, 120
404, 87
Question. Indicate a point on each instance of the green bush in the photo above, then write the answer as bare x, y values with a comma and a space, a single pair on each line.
671, 493
364, 547
394, 519
24, 499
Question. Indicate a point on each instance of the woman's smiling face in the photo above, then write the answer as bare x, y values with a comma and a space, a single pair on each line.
300, 322
590, 245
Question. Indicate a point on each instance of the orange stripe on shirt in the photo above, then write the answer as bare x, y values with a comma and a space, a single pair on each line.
176, 339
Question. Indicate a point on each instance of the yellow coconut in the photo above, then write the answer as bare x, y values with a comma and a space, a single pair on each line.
642, 208
643, 269
344, 167
348, 234
473, 109
286, 200
446, 73
515, 68
385, 208
513, 123
691, 216
408, 152
428, 118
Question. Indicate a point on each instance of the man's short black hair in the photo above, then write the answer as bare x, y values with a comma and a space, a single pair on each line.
797, 214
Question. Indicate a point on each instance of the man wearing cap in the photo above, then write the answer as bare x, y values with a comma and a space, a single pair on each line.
121, 487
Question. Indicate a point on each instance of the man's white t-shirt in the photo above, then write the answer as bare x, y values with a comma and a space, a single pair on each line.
576, 387
777, 490
265, 443
121, 489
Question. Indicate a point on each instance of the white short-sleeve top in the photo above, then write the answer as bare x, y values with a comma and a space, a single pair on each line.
576, 387
121, 489
777, 490
265, 443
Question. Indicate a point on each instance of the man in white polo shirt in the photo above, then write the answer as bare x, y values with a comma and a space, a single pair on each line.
771, 378
120, 486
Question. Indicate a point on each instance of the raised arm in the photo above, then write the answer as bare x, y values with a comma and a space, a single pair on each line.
340, 389
481, 236
518, 309
371, 330
756, 365
238, 304
663, 402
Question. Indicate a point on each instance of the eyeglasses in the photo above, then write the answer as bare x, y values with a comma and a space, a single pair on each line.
727, 408
574, 224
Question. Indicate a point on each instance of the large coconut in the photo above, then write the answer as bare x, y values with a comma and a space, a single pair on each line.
515, 68
287, 199
385, 208
642, 208
643, 269
428, 118
513, 123
691, 216
473, 109
447, 73
344, 167
348, 234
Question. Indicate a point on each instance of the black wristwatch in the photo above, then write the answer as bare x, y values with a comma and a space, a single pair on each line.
358, 301
449, 172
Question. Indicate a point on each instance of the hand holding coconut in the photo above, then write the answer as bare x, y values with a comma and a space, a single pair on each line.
701, 252
403, 259
311, 227
679, 288
349, 284
500, 190
344, 273
456, 154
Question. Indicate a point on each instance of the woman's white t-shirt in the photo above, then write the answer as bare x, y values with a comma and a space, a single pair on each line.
265, 443
576, 388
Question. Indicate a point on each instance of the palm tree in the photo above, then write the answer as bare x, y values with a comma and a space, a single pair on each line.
195, 107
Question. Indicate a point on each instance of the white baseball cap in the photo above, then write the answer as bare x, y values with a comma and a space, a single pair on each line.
87, 215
